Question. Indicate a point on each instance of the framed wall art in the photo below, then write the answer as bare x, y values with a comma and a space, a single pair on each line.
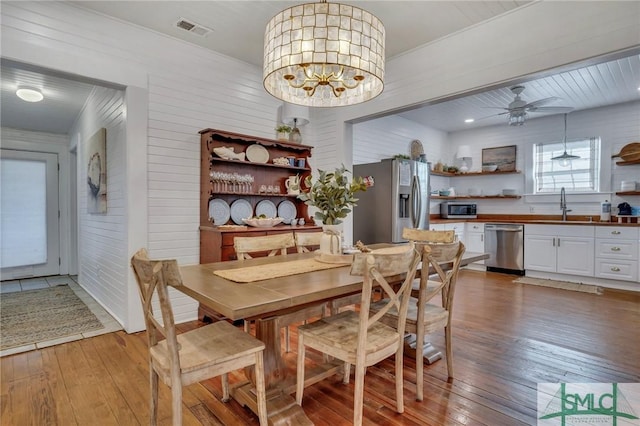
503, 156
96, 163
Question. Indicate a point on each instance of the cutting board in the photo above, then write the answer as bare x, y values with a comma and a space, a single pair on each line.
629, 152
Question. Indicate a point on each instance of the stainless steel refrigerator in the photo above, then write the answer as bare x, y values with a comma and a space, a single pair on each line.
399, 199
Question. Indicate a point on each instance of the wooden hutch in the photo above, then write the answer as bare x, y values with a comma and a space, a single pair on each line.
216, 242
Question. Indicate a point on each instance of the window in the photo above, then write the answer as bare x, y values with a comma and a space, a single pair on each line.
581, 175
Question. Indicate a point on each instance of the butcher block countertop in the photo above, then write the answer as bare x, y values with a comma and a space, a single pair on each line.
539, 219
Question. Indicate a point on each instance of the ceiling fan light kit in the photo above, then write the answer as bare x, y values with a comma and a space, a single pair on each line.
517, 118
324, 54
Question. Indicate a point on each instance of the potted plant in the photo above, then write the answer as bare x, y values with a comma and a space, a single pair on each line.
333, 194
283, 131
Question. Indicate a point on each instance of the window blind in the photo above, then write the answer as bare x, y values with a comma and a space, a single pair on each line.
581, 175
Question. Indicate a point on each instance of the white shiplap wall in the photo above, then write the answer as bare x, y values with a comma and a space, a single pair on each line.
616, 125
102, 245
385, 137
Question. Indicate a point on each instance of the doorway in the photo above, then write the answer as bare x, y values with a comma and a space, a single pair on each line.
29, 214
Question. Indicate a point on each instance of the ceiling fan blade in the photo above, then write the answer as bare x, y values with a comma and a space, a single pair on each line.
541, 102
552, 110
495, 107
493, 115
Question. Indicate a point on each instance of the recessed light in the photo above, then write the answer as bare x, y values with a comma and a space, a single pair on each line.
469, 120
29, 95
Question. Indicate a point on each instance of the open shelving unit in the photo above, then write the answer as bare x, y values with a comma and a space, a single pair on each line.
627, 163
470, 174
447, 174
473, 197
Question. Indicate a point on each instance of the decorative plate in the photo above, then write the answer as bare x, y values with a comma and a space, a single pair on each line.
240, 209
267, 208
219, 211
287, 210
257, 154
416, 149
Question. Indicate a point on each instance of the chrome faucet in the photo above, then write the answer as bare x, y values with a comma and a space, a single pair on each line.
563, 204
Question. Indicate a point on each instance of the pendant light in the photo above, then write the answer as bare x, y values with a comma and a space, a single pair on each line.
565, 159
324, 55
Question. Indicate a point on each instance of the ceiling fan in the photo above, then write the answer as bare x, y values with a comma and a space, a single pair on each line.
518, 109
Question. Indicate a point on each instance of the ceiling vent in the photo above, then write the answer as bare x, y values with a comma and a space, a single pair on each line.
192, 27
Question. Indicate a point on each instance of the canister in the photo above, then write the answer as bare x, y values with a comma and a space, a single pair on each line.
605, 211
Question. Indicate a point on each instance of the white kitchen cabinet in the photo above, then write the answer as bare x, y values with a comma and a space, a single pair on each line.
563, 249
617, 253
474, 238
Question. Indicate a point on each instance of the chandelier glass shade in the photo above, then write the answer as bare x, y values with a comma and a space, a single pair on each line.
517, 118
324, 55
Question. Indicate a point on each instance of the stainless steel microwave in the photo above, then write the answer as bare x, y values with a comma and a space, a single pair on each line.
458, 210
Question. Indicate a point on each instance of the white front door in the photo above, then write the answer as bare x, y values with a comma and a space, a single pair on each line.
29, 215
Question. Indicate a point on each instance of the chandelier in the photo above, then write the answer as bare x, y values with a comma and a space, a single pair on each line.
324, 55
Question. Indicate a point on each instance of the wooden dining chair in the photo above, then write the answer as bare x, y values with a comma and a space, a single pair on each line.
183, 359
273, 244
305, 240
361, 339
441, 252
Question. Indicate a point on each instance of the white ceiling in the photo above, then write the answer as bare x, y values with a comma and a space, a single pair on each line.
63, 99
585, 87
238, 30
238, 26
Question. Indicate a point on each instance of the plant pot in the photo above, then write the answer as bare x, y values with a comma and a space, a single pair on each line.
330, 242
282, 136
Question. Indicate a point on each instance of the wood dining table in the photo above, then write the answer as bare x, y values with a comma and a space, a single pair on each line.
273, 303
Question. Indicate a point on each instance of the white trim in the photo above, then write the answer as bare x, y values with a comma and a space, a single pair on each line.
29, 141
136, 101
602, 282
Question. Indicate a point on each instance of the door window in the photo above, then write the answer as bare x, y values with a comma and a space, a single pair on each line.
28, 214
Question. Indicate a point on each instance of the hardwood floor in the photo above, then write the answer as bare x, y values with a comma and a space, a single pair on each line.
507, 338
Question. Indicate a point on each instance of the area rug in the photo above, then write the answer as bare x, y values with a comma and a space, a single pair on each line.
565, 285
39, 315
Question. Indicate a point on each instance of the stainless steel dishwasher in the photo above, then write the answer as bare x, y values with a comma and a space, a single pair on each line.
505, 244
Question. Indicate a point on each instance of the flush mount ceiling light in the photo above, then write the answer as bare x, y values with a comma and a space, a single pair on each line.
28, 94
565, 159
324, 55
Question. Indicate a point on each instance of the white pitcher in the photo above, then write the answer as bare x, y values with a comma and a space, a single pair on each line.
293, 185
